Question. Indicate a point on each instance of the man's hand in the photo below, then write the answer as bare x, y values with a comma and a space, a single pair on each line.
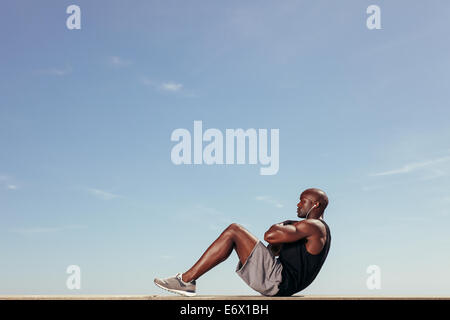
275, 248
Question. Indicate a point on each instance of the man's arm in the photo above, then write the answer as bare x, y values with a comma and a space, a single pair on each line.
279, 233
289, 222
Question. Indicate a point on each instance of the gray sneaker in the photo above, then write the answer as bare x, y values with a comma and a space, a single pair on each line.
177, 285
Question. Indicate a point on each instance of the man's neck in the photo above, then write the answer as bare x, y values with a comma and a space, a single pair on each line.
314, 218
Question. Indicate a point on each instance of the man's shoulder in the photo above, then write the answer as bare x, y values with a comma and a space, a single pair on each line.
315, 226
312, 222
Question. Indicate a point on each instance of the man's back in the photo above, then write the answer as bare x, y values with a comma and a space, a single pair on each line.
315, 243
303, 259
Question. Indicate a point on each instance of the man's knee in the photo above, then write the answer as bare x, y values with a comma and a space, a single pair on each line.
234, 228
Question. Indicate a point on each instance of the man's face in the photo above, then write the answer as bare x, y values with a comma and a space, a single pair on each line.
306, 203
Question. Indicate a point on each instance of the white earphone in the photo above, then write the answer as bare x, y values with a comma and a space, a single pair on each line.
310, 210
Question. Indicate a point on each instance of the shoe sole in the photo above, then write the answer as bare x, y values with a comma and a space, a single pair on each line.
180, 292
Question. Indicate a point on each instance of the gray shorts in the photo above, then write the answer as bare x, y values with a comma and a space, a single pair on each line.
261, 271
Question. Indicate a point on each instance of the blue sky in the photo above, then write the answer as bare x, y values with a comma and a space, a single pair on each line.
86, 118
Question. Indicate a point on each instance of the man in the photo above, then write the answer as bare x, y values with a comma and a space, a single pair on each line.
302, 247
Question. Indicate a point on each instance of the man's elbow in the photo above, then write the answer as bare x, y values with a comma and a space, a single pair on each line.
269, 237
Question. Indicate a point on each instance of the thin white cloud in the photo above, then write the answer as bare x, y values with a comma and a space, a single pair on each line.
269, 200
116, 61
59, 72
148, 82
370, 188
171, 86
41, 230
214, 227
8, 183
104, 195
217, 218
410, 167
208, 210
210, 217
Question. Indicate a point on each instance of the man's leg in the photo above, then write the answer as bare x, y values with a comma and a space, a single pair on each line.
234, 237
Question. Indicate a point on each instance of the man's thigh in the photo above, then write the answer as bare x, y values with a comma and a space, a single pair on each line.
262, 271
244, 241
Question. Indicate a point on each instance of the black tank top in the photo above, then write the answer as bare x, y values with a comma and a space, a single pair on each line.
300, 267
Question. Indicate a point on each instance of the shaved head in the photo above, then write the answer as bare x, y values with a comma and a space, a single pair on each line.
318, 195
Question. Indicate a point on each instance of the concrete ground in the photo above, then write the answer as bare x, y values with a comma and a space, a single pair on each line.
220, 297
